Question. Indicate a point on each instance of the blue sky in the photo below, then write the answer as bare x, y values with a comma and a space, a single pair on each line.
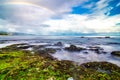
60, 17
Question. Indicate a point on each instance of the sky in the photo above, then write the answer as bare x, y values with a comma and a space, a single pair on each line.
60, 17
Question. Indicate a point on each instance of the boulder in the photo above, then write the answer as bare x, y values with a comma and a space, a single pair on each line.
104, 67
116, 53
58, 44
74, 48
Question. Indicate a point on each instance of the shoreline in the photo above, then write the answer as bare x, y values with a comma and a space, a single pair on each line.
34, 64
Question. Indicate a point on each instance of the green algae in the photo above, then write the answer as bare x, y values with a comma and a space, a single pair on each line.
18, 64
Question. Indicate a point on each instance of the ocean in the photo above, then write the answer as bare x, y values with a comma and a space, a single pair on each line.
105, 46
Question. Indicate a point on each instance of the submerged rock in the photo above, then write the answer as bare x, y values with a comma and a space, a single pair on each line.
96, 49
74, 48
116, 53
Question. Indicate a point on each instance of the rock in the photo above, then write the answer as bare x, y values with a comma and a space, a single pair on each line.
46, 50
116, 53
74, 48
82, 37
103, 71
58, 44
37, 47
96, 49
47, 56
107, 36
24, 47
85, 52
50, 50
117, 43
101, 66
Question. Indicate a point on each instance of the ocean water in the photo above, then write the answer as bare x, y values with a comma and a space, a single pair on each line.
106, 46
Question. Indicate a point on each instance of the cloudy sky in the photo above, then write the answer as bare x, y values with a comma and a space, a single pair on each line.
59, 17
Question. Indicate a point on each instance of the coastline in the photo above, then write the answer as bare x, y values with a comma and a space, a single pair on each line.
18, 63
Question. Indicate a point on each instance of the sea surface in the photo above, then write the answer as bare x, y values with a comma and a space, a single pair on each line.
106, 46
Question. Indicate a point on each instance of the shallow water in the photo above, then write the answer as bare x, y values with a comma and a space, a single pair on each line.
106, 44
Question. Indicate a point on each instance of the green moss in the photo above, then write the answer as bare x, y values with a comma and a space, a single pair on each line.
17, 64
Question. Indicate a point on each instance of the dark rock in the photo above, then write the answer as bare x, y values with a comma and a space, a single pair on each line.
82, 37
46, 50
20, 46
50, 50
96, 49
116, 53
37, 47
24, 46
74, 48
104, 52
47, 56
85, 52
107, 36
114, 43
59, 44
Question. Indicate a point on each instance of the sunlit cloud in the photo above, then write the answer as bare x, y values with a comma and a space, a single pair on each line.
82, 23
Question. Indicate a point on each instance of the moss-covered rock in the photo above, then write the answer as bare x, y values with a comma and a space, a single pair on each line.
116, 53
19, 64
101, 65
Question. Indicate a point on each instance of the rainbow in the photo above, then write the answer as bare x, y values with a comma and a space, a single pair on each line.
29, 4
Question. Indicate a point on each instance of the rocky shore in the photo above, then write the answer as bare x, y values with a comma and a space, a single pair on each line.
18, 63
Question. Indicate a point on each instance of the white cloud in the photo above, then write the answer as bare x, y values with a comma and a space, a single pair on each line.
70, 23
27, 14
35, 16
10, 27
82, 23
118, 4
34, 12
102, 7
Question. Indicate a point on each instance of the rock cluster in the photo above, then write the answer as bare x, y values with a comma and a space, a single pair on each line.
73, 48
58, 44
